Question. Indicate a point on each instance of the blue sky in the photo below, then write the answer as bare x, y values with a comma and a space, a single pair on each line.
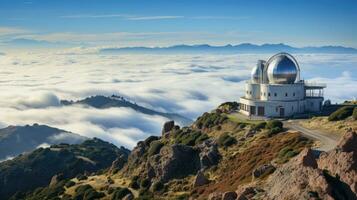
162, 23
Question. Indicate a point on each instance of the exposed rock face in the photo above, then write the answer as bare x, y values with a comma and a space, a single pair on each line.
200, 180
168, 126
298, 178
209, 154
342, 161
332, 176
264, 169
55, 179
176, 161
118, 163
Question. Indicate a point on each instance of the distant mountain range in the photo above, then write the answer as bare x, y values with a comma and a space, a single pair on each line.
240, 48
102, 102
15, 140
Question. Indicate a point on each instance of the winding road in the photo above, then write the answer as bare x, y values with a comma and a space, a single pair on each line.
327, 141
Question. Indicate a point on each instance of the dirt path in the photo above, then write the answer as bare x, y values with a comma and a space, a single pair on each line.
327, 141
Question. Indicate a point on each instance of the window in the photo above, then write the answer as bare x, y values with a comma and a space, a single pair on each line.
286, 94
275, 94
292, 108
264, 93
250, 92
269, 94
294, 94
276, 109
247, 92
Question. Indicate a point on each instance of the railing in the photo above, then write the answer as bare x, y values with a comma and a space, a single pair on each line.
315, 84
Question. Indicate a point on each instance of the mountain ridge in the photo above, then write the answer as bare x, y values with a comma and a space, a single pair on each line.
239, 48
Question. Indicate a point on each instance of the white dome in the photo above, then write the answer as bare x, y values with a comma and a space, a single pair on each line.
282, 69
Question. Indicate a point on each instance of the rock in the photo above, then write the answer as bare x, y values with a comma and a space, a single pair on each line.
306, 158
118, 163
209, 154
245, 193
200, 180
128, 197
264, 169
215, 196
342, 161
176, 161
168, 126
297, 179
229, 196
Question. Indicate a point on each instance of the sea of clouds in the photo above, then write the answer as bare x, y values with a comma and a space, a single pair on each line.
32, 84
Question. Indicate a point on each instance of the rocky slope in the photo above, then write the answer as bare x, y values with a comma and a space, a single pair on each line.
220, 157
15, 140
102, 102
29, 171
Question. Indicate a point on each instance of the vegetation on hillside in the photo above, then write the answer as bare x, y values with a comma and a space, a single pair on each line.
341, 113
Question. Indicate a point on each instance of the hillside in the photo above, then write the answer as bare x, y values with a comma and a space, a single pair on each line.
221, 157
15, 140
103, 102
36, 169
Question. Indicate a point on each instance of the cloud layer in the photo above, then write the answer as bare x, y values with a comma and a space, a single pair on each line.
33, 83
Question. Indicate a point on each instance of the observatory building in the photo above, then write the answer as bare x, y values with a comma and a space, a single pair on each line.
275, 90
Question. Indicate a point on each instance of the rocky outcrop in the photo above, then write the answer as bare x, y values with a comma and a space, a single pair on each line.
176, 161
118, 163
200, 180
331, 176
168, 126
215, 196
342, 161
209, 154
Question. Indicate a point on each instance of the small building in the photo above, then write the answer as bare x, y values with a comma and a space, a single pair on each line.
276, 90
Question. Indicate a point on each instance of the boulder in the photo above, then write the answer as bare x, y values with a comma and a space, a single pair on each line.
200, 180
55, 179
176, 161
264, 169
229, 195
209, 154
168, 126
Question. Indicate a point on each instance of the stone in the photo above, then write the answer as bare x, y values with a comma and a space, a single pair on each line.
229, 196
209, 154
168, 126
264, 169
55, 179
200, 179
250, 133
118, 163
245, 193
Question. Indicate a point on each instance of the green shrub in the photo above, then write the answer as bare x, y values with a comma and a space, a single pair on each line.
274, 131
134, 183
341, 113
274, 123
190, 137
87, 192
119, 193
209, 120
354, 114
242, 125
225, 140
145, 183
70, 184
155, 147
229, 106
260, 125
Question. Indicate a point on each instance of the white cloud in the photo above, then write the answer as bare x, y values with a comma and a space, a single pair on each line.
4, 31
184, 84
155, 17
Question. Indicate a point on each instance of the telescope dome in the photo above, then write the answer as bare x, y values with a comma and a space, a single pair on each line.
282, 69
